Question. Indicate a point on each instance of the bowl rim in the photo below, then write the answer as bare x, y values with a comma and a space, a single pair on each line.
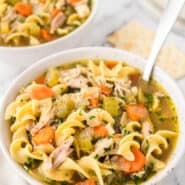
60, 39
45, 63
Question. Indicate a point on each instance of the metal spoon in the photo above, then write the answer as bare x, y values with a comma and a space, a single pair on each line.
170, 15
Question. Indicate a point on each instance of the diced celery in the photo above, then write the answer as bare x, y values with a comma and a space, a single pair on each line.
35, 29
30, 28
3, 7
12, 2
52, 77
111, 105
4, 26
64, 107
85, 145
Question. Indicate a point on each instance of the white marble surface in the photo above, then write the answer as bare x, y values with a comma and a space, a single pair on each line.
112, 14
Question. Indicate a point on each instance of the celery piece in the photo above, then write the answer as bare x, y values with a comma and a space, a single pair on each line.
52, 77
111, 105
3, 8
85, 145
64, 107
12, 2
4, 27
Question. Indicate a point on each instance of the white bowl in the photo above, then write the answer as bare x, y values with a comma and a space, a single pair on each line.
84, 53
25, 56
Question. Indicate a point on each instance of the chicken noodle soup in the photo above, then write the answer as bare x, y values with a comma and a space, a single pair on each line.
92, 122
32, 22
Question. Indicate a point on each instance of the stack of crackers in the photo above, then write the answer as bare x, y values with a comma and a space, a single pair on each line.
136, 38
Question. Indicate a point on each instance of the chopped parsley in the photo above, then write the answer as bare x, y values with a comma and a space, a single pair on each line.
149, 98
125, 131
107, 149
31, 164
12, 119
53, 99
92, 117
96, 156
147, 146
58, 121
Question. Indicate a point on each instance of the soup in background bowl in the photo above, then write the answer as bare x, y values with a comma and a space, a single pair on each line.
34, 29
89, 118
35, 22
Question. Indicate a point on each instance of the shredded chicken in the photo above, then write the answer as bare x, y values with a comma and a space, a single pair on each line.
75, 77
122, 87
11, 15
46, 118
82, 10
81, 7
59, 155
57, 21
147, 128
60, 3
124, 119
102, 147
79, 82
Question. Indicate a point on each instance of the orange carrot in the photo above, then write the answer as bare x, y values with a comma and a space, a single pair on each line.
73, 1
44, 136
55, 12
111, 64
40, 80
87, 182
43, 1
100, 131
136, 112
41, 92
105, 90
45, 35
134, 78
139, 161
23, 9
131, 166
123, 164
94, 101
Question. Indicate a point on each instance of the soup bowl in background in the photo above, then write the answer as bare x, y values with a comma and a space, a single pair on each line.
97, 52
27, 55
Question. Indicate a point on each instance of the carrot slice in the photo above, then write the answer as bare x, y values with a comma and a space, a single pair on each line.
134, 78
136, 112
73, 1
23, 9
100, 131
139, 161
94, 101
111, 64
105, 90
40, 80
45, 35
43, 1
41, 92
130, 166
44, 136
122, 164
87, 182
55, 12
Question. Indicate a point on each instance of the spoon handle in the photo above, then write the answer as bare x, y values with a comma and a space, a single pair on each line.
170, 15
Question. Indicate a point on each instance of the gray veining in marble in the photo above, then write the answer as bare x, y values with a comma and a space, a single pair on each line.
112, 14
